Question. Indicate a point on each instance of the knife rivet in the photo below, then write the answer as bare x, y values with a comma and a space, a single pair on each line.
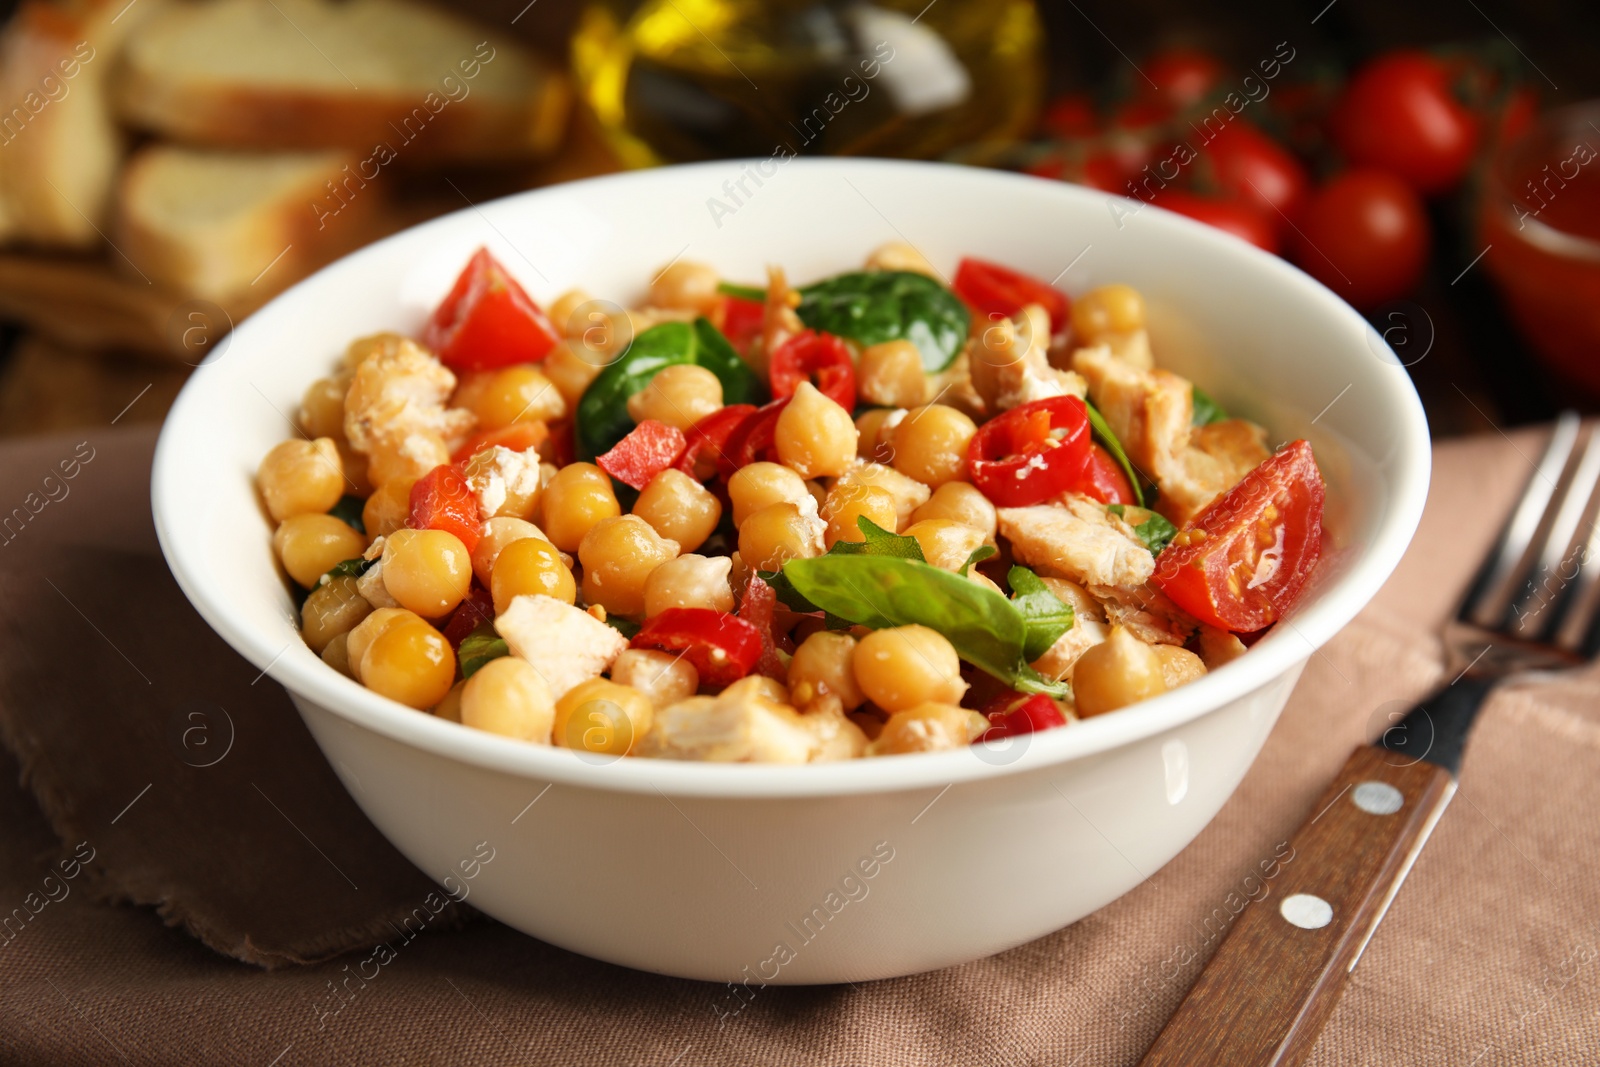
1306, 911
1377, 798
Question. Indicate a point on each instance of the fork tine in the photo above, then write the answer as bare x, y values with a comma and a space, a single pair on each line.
1489, 602
1555, 571
1576, 615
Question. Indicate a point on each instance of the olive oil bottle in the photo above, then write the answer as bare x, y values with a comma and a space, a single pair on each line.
682, 80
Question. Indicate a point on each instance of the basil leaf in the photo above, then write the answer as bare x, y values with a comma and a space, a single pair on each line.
986, 629
743, 292
1045, 615
348, 510
870, 307
626, 627
1152, 528
1206, 410
1109, 440
602, 413
978, 555
879, 542
478, 648
350, 568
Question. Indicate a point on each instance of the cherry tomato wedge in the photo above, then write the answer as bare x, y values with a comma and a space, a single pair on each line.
442, 500
704, 442
742, 321
756, 607
487, 320
475, 611
1103, 478
648, 449
751, 439
722, 647
519, 437
821, 357
1032, 452
1012, 713
1242, 561
995, 290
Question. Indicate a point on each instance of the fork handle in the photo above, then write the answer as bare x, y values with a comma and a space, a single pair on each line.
1263, 998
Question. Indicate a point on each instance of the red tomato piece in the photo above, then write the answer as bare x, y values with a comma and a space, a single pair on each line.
1012, 713
1032, 452
752, 439
991, 289
1183, 76
710, 435
822, 357
722, 647
650, 448
1242, 562
1103, 478
488, 321
1251, 167
519, 437
442, 500
562, 447
1365, 236
1230, 216
1399, 114
757, 607
742, 321
475, 611
1071, 116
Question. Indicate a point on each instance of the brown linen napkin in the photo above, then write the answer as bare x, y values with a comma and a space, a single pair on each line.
1486, 957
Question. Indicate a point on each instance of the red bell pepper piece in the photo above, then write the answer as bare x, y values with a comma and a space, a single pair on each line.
819, 356
650, 448
475, 611
710, 434
752, 439
757, 607
991, 289
1012, 713
742, 321
442, 500
488, 321
1103, 479
519, 437
1032, 452
721, 647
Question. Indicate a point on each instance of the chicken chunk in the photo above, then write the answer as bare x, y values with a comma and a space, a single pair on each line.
741, 725
394, 411
1059, 659
565, 644
1217, 457
1009, 364
506, 483
909, 494
1218, 647
1077, 539
1147, 613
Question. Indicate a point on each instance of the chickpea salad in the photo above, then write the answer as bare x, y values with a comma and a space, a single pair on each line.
875, 514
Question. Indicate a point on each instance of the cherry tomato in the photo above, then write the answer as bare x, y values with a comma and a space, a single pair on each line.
1070, 116
1011, 713
1103, 478
1032, 452
1183, 76
709, 435
1231, 216
1242, 562
722, 647
821, 357
475, 611
1399, 113
991, 289
1252, 167
442, 500
741, 321
648, 449
519, 437
487, 321
1365, 236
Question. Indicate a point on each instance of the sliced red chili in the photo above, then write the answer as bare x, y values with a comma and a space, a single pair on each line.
650, 448
1103, 478
722, 647
706, 439
821, 357
742, 321
995, 290
1012, 713
757, 607
519, 437
488, 321
752, 439
442, 500
1032, 452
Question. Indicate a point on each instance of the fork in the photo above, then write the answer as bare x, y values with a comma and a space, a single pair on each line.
1266, 993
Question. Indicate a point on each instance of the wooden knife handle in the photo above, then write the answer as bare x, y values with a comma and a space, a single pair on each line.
1275, 979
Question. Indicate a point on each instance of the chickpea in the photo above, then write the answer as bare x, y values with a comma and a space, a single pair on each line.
1119, 671
689, 582
301, 477
815, 437
928, 728
508, 696
931, 444
680, 508
891, 374
759, 485
601, 716
960, 502
411, 662
1109, 309
530, 565
322, 409
497, 534
577, 498
822, 667
945, 543
903, 666
311, 545
779, 532
875, 432
899, 255
684, 284
449, 709
1179, 666
661, 676
426, 571
337, 655
357, 479
333, 608
359, 639
680, 395
387, 509
389, 461
571, 368
618, 555
756, 687
852, 501
564, 307
518, 394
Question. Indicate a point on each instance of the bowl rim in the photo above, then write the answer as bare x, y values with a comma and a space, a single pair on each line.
1283, 651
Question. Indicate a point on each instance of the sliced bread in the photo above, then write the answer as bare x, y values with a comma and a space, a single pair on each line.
356, 74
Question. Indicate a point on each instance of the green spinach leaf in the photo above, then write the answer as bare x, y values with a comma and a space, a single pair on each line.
1045, 615
478, 648
978, 555
1151, 527
626, 627
348, 510
1109, 440
878, 542
742, 292
603, 409
873, 306
350, 568
1206, 410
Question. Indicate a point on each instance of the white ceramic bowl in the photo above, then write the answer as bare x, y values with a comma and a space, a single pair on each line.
859, 870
